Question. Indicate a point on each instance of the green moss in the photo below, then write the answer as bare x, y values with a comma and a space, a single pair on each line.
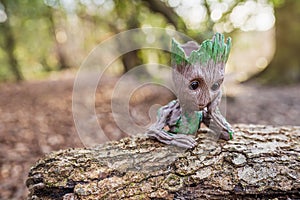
189, 124
215, 49
177, 53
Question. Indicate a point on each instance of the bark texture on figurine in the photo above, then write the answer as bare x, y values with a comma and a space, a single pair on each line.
198, 72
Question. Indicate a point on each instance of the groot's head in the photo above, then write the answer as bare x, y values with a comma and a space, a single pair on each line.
198, 70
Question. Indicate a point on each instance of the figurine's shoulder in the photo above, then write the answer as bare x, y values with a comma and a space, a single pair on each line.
170, 107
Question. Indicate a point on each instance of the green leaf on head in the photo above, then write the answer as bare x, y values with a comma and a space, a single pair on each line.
215, 49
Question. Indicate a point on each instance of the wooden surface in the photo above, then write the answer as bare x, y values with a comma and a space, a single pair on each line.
262, 162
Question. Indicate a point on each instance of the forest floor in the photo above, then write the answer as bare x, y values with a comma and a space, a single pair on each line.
36, 118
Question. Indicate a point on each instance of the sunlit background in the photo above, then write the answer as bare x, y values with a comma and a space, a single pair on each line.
58, 34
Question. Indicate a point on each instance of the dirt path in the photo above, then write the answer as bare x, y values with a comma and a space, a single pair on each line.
36, 118
264, 105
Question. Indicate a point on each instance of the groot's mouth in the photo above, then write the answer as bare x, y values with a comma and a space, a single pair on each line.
202, 106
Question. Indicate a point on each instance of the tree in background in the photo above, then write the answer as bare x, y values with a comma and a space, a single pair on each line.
9, 43
285, 66
37, 34
28, 38
58, 48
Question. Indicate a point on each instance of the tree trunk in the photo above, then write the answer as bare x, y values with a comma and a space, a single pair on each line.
285, 67
9, 46
131, 59
60, 55
262, 162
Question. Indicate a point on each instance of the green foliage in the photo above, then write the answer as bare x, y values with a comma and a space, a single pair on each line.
30, 30
177, 56
55, 34
277, 3
215, 49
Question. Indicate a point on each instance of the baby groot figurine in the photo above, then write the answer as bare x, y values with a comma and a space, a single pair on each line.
198, 72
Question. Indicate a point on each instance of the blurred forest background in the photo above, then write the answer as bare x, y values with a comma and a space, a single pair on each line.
43, 43
38, 37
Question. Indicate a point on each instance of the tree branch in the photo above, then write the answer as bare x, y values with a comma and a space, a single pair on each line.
262, 162
171, 16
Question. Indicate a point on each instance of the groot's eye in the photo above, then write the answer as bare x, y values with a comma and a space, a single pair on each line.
215, 86
194, 85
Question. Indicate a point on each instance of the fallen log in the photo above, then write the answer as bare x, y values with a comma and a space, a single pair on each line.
262, 162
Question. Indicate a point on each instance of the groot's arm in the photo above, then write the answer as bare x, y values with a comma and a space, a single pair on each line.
215, 114
168, 116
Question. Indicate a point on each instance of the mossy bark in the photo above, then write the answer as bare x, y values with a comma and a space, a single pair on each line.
261, 162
